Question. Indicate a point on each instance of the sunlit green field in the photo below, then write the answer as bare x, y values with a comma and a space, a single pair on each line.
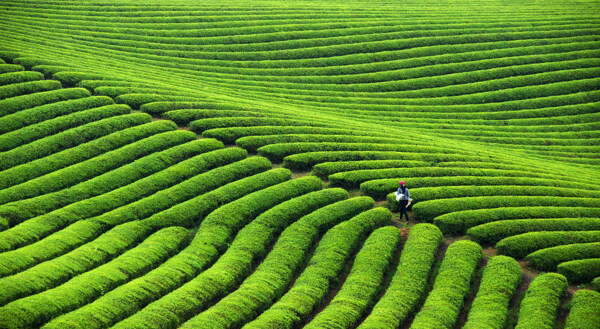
229, 164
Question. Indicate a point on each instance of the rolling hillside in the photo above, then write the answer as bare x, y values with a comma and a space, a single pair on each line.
229, 164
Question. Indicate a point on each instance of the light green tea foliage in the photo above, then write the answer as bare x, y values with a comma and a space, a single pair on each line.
214, 125
542, 299
584, 310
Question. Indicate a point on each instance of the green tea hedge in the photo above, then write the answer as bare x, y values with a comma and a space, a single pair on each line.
409, 281
19, 77
49, 111
254, 239
216, 233
459, 222
580, 271
521, 245
428, 210
496, 231
30, 87
15, 104
548, 259
132, 162
69, 138
36, 131
501, 277
174, 182
310, 288
539, 308
584, 310
37, 309
136, 294
452, 284
36, 168
363, 283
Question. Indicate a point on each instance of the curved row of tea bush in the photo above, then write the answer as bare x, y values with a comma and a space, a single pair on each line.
136, 100
19, 76
187, 116
521, 245
382, 187
305, 161
36, 168
409, 282
325, 169
353, 179
48, 70
277, 152
452, 284
540, 306
329, 258
585, 308
215, 234
132, 162
231, 134
501, 277
450, 193
114, 91
496, 231
41, 113
253, 143
91, 84
186, 264
8, 68
38, 309
199, 126
435, 193
70, 78
31, 133
160, 107
179, 182
361, 286
254, 239
24, 88
31, 229
548, 259
459, 222
19, 103
580, 271
69, 138
430, 210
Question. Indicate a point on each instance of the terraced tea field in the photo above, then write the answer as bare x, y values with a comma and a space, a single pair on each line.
232, 164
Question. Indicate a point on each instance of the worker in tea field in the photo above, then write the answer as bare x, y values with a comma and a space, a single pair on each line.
403, 196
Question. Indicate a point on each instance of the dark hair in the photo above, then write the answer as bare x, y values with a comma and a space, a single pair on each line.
403, 187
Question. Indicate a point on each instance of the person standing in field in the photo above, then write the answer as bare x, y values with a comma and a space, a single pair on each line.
402, 196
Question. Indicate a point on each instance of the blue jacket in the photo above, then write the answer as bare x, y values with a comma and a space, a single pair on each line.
406, 193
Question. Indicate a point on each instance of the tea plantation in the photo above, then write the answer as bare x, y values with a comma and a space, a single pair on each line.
232, 164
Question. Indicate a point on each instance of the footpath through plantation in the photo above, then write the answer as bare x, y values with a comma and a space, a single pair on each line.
232, 164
